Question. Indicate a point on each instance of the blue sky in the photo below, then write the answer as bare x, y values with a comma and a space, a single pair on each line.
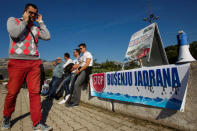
104, 25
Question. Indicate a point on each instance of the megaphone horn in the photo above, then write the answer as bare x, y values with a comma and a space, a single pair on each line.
184, 53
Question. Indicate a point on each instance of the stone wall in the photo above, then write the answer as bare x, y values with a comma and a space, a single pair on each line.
186, 120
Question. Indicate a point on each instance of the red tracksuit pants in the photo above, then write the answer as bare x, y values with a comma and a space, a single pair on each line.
17, 71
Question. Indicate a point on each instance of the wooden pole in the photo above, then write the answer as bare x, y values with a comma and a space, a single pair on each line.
141, 64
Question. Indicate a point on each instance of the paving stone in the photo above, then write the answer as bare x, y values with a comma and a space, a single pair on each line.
82, 129
124, 128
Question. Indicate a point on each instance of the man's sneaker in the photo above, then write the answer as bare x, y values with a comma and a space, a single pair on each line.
66, 99
62, 102
6, 123
42, 127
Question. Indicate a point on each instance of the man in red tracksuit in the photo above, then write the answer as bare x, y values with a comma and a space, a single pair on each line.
24, 62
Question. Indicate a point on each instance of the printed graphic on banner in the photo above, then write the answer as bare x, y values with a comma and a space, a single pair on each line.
98, 81
139, 45
161, 86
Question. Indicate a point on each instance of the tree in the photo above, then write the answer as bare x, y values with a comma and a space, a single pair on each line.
172, 53
193, 49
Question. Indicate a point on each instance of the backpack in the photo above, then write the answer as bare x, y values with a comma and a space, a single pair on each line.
67, 69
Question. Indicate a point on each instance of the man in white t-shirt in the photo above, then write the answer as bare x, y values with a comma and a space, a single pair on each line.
67, 59
83, 70
68, 82
66, 76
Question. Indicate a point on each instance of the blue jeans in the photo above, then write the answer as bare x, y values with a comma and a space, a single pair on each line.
69, 82
72, 82
65, 85
55, 83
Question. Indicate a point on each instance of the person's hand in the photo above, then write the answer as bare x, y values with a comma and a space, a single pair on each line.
77, 72
26, 16
75, 66
39, 18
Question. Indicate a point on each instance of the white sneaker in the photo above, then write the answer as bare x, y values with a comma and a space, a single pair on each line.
62, 102
65, 99
42, 127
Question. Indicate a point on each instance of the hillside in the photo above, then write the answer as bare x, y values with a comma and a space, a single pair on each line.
4, 62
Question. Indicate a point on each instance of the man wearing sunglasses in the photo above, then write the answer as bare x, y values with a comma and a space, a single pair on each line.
83, 70
24, 64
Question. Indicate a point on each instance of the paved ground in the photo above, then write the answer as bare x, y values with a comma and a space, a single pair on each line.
81, 118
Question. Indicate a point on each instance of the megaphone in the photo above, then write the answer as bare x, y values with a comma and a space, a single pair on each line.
184, 53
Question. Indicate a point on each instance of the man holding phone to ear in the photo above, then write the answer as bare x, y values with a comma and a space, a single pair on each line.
24, 64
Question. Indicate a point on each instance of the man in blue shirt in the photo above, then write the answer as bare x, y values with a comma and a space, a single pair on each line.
57, 77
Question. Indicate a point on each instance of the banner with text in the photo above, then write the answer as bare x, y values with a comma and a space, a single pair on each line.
146, 45
161, 86
140, 42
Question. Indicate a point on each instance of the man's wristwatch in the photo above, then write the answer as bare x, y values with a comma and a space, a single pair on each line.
40, 21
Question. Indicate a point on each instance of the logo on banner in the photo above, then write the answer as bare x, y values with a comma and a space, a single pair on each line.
98, 82
143, 53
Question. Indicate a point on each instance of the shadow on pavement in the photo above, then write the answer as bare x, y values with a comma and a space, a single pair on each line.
19, 118
46, 107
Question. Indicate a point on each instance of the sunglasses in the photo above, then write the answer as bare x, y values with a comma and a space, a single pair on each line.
32, 13
80, 48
